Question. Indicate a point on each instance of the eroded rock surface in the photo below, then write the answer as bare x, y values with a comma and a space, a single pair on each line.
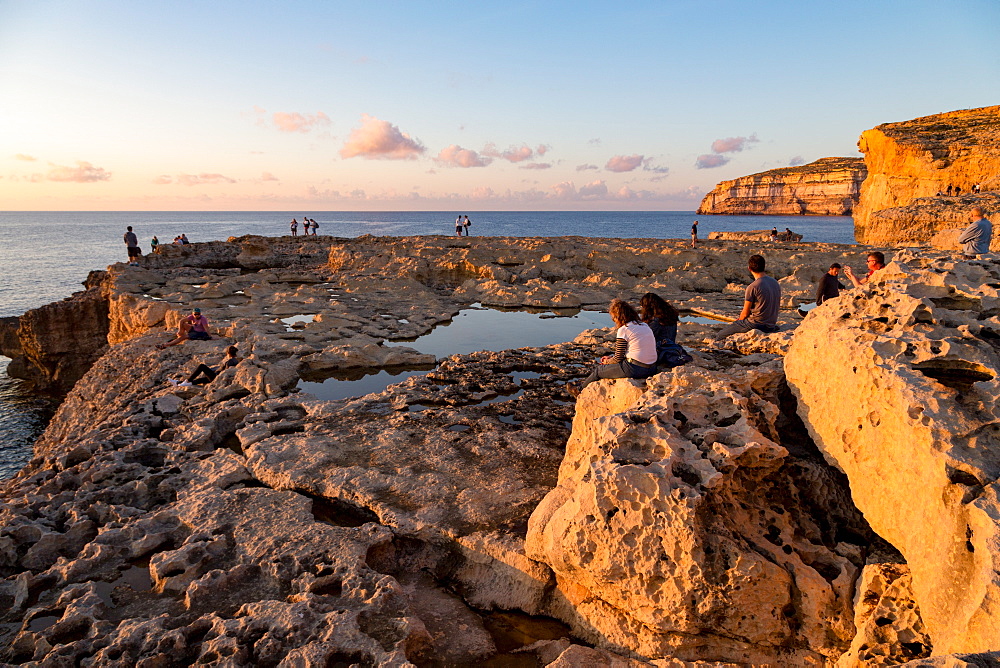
686, 519
898, 386
683, 524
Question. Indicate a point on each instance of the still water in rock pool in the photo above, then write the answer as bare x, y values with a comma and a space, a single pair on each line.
472, 330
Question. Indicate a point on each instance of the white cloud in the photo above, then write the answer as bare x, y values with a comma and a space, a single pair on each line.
378, 139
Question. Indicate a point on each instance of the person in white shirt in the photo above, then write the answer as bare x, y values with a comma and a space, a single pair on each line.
635, 349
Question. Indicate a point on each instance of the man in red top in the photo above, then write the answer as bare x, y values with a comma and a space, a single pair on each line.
876, 261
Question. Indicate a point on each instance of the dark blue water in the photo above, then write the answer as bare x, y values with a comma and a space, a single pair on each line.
46, 255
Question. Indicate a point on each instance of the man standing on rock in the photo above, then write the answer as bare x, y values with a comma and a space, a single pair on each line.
975, 239
132, 244
694, 233
760, 308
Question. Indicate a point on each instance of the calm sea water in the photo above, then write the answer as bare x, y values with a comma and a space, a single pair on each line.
46, 255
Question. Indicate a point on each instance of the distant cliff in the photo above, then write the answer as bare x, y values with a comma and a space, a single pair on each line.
917, 159
826, 187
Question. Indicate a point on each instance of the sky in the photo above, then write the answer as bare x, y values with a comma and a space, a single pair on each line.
396, 106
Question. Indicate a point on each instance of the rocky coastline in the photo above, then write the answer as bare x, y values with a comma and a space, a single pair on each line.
744, 509
825, 187
912, 166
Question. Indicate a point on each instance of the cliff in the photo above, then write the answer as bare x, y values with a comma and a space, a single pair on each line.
910, 162
826, 187
699, 516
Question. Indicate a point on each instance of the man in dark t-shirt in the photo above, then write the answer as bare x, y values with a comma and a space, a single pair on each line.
760, 305
828, 286
132, 244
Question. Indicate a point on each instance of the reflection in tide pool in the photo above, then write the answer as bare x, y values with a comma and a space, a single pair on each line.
479, 328
23, 417
342, 386
472, 330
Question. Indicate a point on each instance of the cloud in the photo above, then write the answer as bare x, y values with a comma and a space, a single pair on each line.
733, 144
377, 139
596, 141
296, 122
594, 190
542, 149
623, 163
456, 156
84, 172
583, 168
537, 165
796, 161
268, 176
203, 179
163, 180
512, 154
710, 160
24, 157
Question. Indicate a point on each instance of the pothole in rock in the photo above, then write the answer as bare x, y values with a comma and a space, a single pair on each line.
956, 374
294, 322
512, 630
339, 513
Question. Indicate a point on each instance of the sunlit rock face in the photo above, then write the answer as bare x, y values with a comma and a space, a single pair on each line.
910, 162
897, 383
693, 520
826, 187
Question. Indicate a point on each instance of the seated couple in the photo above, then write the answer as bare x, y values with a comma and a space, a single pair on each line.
641, 344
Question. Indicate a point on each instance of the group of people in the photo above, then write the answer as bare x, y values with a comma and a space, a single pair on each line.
787, 235
194, 327
132, 245
307, 224
460, 224
955, 191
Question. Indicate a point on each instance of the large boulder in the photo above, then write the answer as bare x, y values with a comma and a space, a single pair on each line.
897, 384
682, 526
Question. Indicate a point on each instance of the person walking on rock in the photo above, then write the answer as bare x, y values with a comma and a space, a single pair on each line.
694, 233
760, 305
876, 261
975, 238
132, 245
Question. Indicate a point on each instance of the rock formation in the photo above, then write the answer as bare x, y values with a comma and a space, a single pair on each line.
474, 515
826, 187
898, 386
910, 162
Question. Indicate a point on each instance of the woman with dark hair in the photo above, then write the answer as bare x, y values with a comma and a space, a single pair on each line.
635, 349
662, 318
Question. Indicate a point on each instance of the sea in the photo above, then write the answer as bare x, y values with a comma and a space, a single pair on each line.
45, 256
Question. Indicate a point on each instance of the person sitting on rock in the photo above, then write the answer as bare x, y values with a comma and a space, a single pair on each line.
194, 327
635, 349
876, 261
761, 303
231, 359
975, 238
662, 318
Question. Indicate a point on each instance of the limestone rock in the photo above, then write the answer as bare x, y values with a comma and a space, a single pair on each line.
826, 187
909, 162
889, 628
898, 386
677, 510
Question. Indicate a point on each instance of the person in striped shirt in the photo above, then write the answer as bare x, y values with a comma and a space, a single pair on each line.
635, 349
